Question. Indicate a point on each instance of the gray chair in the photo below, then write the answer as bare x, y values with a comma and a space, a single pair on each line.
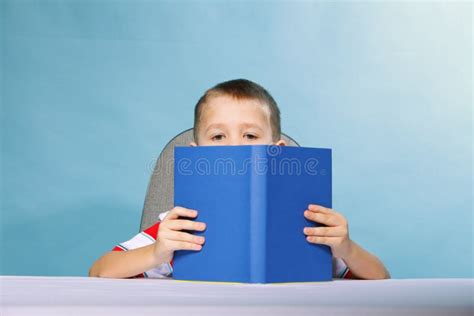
160, 191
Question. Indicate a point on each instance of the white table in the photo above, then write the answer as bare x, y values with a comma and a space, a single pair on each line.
93, 296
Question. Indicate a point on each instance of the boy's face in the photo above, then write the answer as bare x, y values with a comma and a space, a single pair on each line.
229, 121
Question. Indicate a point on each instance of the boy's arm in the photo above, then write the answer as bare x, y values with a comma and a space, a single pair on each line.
169, 238
363, 264
360, 262
124, 264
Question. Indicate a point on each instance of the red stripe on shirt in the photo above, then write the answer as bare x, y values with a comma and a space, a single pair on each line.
348, 275
153, 230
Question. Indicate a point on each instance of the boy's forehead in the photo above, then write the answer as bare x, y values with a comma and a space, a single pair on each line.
227, 108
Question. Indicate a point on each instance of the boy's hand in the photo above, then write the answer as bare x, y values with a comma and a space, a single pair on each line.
170, 237
335, 235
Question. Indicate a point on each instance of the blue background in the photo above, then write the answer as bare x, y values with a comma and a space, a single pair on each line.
92, 91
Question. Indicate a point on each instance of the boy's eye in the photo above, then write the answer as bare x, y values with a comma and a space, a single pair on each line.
217, 137
250, 136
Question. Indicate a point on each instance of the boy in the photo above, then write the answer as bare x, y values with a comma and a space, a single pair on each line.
237, 112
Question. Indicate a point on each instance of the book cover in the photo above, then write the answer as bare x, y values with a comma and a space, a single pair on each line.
252, 199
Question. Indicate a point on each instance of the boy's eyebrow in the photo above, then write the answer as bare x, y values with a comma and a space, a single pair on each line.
244, 125
213, 126
252, 125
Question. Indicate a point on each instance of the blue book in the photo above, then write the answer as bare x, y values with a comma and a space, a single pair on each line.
252, 199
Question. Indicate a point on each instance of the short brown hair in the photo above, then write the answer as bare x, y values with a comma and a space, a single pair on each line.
241, 89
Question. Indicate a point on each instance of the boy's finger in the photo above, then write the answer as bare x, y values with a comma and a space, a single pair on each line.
323, 231
184, 224
319, 208
329, 241
321, 218
182, 245
324, 210
178, 211
180, 236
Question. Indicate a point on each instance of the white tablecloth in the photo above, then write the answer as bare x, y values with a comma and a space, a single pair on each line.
94, 296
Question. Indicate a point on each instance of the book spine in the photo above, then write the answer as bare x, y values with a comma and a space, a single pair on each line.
258, 213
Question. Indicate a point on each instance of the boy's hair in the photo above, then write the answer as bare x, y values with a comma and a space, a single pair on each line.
241, 89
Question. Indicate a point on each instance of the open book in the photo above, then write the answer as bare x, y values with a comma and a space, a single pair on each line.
252, 199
